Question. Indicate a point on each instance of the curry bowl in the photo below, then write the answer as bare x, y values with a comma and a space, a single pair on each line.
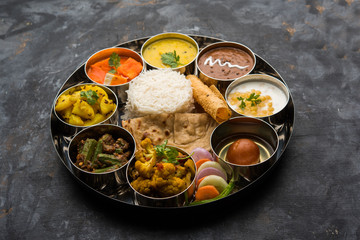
171, 50
259, 95
114, 67
223, 62
84, 105
248, 145
163, 184
100, 154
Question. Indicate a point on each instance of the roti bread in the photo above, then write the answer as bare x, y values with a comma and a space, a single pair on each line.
183, 130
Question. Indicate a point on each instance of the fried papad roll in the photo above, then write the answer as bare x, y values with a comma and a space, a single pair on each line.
217, 93
209, 101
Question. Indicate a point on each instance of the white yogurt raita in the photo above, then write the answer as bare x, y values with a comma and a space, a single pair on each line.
278, 96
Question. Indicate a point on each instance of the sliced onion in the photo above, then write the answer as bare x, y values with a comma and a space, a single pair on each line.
211, 164
210, 171
218, 182
201, 153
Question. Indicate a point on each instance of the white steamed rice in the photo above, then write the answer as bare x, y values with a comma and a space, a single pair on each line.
159, 91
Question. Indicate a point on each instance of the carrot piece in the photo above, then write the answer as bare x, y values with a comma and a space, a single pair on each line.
118, 80
191, 190
130, 68
103, 64
123, 59
199, 181
98, 70
200, 162
206, 192
96, 74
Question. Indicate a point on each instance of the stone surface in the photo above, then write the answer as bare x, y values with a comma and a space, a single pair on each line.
313, 193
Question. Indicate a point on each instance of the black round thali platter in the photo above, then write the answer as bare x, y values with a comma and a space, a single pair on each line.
126, 198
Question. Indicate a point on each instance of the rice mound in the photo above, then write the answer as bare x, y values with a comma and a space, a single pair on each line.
159, 91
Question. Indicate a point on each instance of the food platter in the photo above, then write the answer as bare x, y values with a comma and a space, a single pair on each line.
123, 194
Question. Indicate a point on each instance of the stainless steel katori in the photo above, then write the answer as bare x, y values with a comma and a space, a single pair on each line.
177, 200
278, 119
106, 181
222, 83
265, 137
69, 130
119, 89
183, 69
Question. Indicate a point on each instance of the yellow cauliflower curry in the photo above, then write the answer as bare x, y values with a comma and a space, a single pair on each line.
84, 105
161, 171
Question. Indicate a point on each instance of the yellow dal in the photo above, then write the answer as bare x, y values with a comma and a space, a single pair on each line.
186, 50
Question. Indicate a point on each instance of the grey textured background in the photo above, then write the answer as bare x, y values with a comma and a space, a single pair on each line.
313, 193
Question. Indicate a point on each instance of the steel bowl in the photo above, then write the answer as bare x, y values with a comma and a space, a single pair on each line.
105, 53
276, 119
177, 200
255, 129
107, 180
184, 69
70, 130
222, 83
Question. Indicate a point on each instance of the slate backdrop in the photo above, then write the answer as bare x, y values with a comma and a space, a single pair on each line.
313, 193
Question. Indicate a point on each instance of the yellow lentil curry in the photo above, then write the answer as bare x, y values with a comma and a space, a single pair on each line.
181, 51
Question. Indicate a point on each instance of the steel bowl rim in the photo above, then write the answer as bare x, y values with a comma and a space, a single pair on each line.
253, 56
103, 173
167, 33
84, 127
238, 81
164, 198
115, 47
251, 165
